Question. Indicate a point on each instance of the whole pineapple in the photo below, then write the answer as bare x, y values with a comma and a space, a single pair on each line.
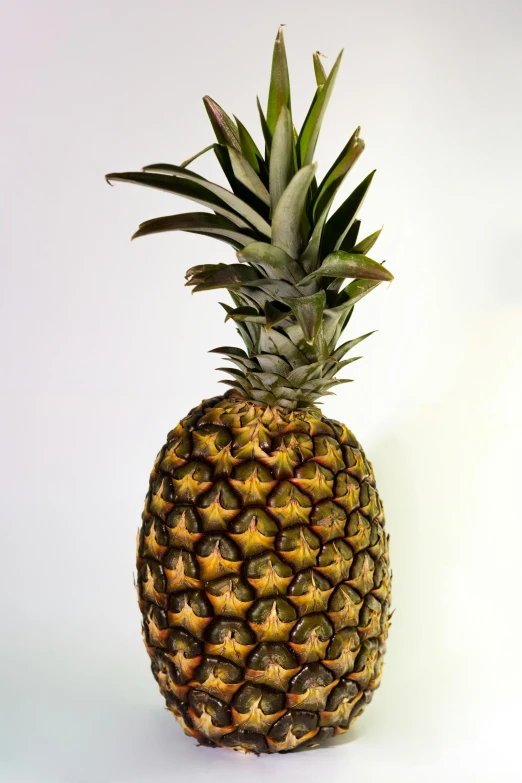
263, 569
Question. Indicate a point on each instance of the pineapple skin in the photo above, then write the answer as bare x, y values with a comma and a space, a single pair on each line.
263, 576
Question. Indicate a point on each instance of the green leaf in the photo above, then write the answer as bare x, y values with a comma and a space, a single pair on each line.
245, 314
194, 190
334, 178
355, 291
287, 231
365, 245
308, 311
320, 74
281, 157
277, 343
241, 207
249, 147
232, 371
246, 175
230, 350
275, 289
198, 223
272, 260
243, 362
226, 276
279, 92
351, 265
347, 346
261, 380
200, 271
239, 384
273, 315
264, 127
311, 255
339, 366
273, 363
267, 397
224, 127
312, 124
197, 155
300, 375
325, 383
338, 225
350, 238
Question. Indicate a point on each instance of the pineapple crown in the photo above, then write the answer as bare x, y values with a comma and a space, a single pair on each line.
291, 299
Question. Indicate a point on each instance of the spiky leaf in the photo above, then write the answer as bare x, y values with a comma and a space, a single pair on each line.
366, 244
224, 127
246, 175
351, 265
198, 223
243, 209
308, 311
338, 225
287, 228
279, 93
281, 157
337, 173
273, 260
320, 74
312, 124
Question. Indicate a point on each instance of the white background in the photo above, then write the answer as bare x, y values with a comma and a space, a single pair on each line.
104, 350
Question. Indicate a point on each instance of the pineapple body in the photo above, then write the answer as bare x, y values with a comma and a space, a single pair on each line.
263, 576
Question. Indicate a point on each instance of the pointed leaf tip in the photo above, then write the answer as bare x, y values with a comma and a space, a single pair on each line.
279, 91
224, 127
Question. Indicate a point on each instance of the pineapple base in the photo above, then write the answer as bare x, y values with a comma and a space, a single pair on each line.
263, 576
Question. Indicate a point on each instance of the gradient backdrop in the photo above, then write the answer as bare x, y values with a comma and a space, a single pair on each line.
103, 353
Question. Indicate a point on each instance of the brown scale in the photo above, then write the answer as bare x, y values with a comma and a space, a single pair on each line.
263, 576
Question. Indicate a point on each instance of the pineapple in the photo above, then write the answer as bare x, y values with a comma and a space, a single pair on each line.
263, 568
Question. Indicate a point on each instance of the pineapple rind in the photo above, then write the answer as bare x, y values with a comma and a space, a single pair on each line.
265, 634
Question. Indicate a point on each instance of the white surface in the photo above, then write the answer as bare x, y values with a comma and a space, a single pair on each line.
103, 353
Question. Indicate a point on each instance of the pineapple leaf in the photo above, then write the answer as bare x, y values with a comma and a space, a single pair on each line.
279, 344
350, 238
320, 74
287, 231
232, 371
300, 375
279, 92
231, 351
331, 371
249, 147
264, 127
338, 225
247, 176
198, 223
273, 315
273, 363
312, 124
191, 189
272, 260
336, 174
275, 289
355, 291
347, 346
351, 265
245, 314
308, 311
241, 207
224, 127
197, 155
309, 260
281, 157
220, 276
365, 245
